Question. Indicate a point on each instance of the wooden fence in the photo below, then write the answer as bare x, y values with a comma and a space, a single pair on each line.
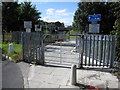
96, 50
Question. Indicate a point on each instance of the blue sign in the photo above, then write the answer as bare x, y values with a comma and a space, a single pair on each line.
94, 18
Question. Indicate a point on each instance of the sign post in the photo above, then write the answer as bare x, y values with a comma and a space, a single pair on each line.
94, 27
28, 25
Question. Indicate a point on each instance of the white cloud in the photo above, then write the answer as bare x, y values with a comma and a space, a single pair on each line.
56, 12
61, 11
62, 15
50, 11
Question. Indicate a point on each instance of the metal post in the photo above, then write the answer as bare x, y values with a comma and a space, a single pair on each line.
22, 38
82, 51
60, 51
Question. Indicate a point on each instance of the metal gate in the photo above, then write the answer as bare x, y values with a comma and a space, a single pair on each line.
33, 47
59, 49
87, 49
96, 50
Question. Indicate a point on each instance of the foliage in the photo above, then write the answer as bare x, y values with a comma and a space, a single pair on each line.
10, 15
116, 32
51, 26
28, 12
73, 32
89, 8
16, 55
117, 14
117, 24
15, 14
59, 24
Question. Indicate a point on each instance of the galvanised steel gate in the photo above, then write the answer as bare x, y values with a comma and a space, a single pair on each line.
59, 50
33, 47
96, 50
86, 50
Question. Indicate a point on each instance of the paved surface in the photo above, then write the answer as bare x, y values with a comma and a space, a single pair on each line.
59, 77
61, 52
12, 76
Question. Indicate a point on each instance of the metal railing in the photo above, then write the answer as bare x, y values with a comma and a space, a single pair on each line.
96, 50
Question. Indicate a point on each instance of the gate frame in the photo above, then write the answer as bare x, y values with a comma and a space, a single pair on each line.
41, 58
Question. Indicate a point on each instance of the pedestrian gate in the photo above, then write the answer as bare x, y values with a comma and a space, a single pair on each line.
32, 47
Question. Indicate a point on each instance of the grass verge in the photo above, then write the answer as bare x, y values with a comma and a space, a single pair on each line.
16, 55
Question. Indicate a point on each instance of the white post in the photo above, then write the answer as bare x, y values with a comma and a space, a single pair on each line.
73, 75
11, 48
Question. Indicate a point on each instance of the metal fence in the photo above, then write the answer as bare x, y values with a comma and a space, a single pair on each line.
12, 37
33, 47
96, 50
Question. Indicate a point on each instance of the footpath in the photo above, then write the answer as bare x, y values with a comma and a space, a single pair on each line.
51, 76
24, 75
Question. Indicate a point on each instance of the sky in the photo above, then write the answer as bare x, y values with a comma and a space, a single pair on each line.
57, 11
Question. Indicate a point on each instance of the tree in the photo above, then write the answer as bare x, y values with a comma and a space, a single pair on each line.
28, 12
116, 11
89, 8
59, 24
10, 15
15, 14
116, 32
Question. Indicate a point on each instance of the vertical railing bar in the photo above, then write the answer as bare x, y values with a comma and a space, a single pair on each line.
107, 51
111, 39
104, 51
79, 48
101, 50
108, 48
43, 48
89, 51
82, 50
97, 49
112, 55
22, 38
93, 50
86, 49
36, 53
114, 49
39, 47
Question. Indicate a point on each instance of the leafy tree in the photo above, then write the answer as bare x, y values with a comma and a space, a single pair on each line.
15, 14
89, 8
116, 11
28, 12
10, 15
116, 32
59, 24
